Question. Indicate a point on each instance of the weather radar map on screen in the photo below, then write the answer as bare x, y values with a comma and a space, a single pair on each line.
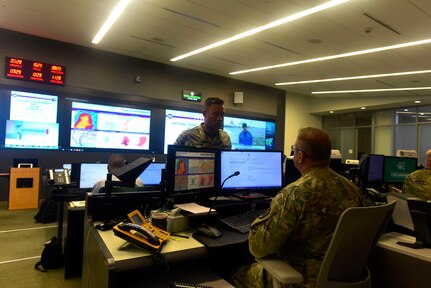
32, 121
177, 121
109, 127
250, 134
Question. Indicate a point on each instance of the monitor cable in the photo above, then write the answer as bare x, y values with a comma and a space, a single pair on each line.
208, 230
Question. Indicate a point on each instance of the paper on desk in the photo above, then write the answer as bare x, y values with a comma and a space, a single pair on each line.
77, 203
194, 208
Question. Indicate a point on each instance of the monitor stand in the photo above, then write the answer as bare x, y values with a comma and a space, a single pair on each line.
250, 196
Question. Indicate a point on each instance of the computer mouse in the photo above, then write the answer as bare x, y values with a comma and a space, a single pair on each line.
209, 231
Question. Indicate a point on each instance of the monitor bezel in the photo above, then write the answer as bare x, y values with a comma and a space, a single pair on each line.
266, 190
200, 193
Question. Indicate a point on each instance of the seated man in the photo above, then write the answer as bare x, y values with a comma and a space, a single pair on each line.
115, 161
418, 183
301, 219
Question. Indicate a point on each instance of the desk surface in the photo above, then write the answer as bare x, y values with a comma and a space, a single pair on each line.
389, 241
121, 250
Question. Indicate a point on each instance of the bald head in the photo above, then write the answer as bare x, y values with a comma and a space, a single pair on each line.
315, 143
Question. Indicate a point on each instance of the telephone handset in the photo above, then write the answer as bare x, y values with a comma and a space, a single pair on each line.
140, 231
144, 234
58, 176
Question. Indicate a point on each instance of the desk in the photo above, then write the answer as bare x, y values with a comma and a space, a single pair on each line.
396, 266
107, 260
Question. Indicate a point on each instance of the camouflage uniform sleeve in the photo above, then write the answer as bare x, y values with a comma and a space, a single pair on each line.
408, 184
272, 229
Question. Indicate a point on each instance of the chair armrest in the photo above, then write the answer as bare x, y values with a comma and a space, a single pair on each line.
280, 270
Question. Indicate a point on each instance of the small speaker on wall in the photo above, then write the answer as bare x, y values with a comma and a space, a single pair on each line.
238, 97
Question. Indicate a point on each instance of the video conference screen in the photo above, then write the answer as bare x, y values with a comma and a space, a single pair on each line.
250, 134
32, 121
109, 127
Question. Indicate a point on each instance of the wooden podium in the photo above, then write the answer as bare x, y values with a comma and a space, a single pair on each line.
24, 188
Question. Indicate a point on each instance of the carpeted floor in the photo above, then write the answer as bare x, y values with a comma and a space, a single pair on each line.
21, 244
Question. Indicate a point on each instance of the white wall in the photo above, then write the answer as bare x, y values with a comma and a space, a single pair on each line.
297, 115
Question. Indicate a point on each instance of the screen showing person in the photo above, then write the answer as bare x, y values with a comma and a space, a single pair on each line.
109, 127
177, 121
249, 133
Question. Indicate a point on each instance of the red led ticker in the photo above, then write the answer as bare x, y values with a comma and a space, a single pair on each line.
17, 68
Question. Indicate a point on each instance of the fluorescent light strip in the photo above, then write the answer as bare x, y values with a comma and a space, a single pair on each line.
371, 90
253, 31
118, 10
355, 53
355, 77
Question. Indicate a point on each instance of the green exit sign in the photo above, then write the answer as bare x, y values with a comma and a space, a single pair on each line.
192, 96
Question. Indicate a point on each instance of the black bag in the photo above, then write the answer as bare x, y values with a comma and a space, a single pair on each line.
47, 212
52, 255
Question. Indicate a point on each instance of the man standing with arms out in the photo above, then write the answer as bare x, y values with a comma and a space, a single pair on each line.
208, 134
245, 137
302, 217
115, 161
418, 183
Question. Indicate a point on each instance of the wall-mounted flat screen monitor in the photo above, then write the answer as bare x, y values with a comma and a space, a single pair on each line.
176, 121
152, 176
191, 171
260, 171
31, 135
109, 127
32, 122
397, 168
90, 173
250, 134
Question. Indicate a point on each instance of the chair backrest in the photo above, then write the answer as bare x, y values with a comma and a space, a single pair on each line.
355, 236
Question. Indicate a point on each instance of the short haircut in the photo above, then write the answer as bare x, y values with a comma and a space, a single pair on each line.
116, 160
213, 101
244, 125
315, 143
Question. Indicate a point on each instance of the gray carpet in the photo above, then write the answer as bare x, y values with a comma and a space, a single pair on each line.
21, 244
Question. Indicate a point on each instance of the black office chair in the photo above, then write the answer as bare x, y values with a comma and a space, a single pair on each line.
345, 262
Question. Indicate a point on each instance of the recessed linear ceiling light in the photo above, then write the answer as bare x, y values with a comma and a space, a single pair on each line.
118, 10
349, 54
355, 77
371, 90
253, 31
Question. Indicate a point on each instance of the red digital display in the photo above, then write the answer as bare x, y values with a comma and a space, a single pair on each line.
17, 68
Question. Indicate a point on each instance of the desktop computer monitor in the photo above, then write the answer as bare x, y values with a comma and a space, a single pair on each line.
371, 171
152, 176
397, 168
261, 171
90, 173
191, 172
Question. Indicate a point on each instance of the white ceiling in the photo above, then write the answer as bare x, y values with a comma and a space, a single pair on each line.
159, 30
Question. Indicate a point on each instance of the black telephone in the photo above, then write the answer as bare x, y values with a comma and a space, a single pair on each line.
58, 177
140, 232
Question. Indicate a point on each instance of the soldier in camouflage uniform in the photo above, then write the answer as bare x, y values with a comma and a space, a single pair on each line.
418, 183
300, 221
209, 133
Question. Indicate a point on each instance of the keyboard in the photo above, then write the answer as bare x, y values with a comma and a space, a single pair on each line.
242, 222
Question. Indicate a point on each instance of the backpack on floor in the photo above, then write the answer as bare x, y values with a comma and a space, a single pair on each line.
47, 212
52, 255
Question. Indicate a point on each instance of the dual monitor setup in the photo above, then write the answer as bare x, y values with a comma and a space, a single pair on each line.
376, 170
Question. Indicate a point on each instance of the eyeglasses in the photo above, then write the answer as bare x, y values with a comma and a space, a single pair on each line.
293, 149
